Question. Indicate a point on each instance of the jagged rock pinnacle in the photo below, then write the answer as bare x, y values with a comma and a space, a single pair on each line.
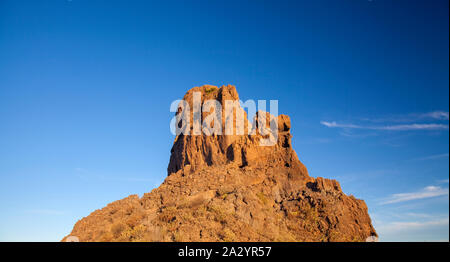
195, 151
229, 188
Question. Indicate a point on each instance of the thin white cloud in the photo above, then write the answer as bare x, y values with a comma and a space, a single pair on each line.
437, 115
392, 122
432, 157
414, 225
427, 192
419, 215
409, 225
434, 115
414, 127
334, 124
388, 127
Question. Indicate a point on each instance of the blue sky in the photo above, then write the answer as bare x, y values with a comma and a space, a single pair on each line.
86, 86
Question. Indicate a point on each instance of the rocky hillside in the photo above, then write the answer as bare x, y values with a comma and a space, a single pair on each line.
229, 188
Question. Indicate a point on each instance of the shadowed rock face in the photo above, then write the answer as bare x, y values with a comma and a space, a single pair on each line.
229, 188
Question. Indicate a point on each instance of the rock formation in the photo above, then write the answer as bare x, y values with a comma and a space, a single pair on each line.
229, 188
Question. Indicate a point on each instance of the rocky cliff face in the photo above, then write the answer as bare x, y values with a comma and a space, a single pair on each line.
229, 188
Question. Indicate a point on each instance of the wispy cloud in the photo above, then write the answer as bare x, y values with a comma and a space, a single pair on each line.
398, 123
414, 127
419, 215
408, 225
432, 157
427, 192
412, 225
388, 127
334, 124
413, 117
436, 115
393, 225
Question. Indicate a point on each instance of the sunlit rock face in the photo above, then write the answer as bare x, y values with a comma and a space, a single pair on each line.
230, 188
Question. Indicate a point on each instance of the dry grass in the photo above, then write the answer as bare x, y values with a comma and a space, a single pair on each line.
262, 197
210, 89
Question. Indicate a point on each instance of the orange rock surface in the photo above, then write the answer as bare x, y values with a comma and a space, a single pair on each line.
229, 188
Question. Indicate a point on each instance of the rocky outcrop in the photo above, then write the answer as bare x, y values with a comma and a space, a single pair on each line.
229, 188
197, 151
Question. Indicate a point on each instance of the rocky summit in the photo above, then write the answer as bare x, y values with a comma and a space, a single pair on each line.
230, 188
